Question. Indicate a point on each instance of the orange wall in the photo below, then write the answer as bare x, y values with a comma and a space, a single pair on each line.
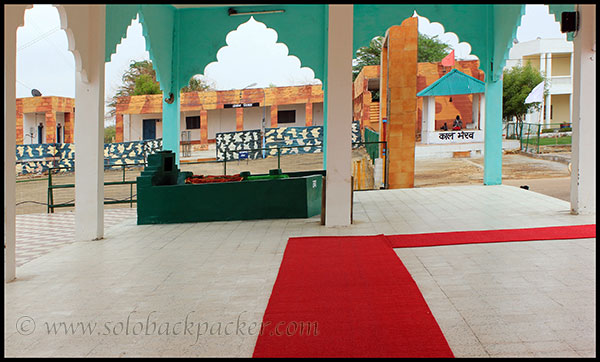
209, 100
49, 106
427, 73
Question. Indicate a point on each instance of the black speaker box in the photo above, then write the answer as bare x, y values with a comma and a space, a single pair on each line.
568, 21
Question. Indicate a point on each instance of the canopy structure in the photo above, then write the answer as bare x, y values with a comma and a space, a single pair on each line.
453, 83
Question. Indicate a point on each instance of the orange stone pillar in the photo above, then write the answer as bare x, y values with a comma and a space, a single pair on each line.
383, 93
402, 103
118, 127
50, 127
20, 130
239, 119
204, 129
309, 114
69, 129
273, 116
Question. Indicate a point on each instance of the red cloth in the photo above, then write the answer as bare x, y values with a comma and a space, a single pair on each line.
200, 179
448, 60
359, 298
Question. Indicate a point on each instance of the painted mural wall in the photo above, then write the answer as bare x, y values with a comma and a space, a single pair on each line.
290, 140
38, 158
230, 144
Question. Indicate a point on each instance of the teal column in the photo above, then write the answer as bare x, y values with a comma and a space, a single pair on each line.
492, 159
171, 126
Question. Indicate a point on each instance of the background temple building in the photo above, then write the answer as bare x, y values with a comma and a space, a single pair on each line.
204, 114
45, 120
366, 103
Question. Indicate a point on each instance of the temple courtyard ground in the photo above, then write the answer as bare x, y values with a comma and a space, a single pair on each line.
514, 299
541, 175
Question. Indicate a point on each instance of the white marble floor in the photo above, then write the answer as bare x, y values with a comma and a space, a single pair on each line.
200, 289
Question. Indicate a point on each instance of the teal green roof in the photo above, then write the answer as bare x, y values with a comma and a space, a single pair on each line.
455, 82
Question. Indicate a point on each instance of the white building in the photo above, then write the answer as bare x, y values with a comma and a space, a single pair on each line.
554, 57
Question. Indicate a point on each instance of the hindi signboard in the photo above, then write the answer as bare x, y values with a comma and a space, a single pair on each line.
241, 105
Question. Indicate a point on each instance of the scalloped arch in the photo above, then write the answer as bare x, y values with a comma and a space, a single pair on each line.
277, 42
372, 20
454, 34
198, 69
149, 49
556, 9
64, 25
26, 7
158, 24
510, 44
118, 19
206, 29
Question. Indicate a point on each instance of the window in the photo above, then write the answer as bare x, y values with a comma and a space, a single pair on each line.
286, 116
192, 122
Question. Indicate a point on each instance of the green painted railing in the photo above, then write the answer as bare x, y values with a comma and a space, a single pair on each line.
51, 187
372, 149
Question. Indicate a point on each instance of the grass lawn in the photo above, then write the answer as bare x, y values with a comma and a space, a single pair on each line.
565, 140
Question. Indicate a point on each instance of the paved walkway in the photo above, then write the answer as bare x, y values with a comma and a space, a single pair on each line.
136, 292
38, 234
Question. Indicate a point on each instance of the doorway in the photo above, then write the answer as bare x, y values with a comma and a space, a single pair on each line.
149, 129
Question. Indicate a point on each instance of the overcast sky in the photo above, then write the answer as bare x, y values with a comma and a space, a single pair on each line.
44, 63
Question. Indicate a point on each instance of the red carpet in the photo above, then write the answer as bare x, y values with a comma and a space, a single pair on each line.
359, 298
492, 236
351, 296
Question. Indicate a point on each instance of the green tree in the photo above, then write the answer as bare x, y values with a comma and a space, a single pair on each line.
517, 83
140, 79
367, 55
196, 85
145, 84
109, 134
429, 49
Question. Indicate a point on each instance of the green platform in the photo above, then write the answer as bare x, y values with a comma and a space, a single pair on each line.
164, 198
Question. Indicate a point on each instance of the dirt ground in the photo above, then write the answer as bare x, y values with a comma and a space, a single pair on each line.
450, 171
547, 177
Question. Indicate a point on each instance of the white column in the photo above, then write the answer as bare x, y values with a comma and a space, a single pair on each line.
475, 106
583, 143
87, 24
339, 115
429, 103
13, 18
424, 128
543, 62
